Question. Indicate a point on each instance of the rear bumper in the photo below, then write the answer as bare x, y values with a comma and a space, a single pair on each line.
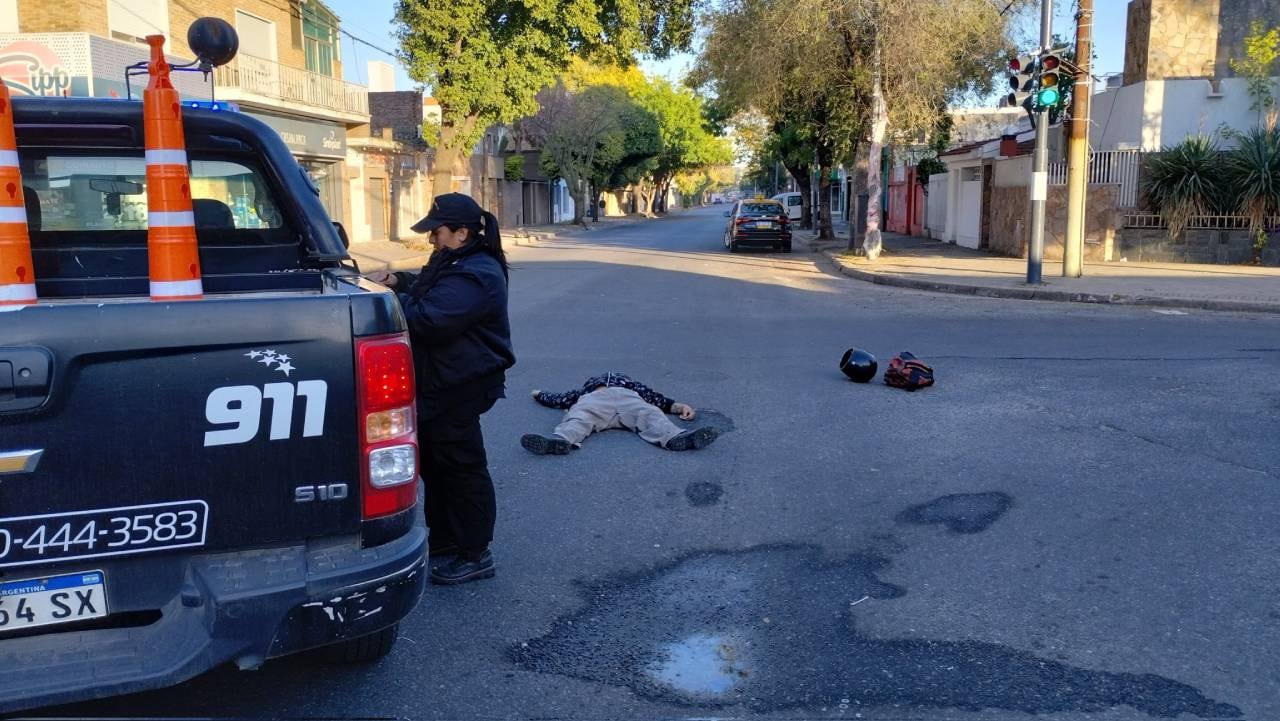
762, 238
243, 607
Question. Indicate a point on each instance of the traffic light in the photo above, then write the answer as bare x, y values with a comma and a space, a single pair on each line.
1049, 85
1021, 80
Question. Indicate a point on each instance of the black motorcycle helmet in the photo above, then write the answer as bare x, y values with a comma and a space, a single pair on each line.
859, 365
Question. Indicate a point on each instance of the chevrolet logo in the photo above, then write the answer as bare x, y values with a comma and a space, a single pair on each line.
19, 461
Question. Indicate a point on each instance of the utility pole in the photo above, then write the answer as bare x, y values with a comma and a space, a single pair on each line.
1078, 151
1040, 163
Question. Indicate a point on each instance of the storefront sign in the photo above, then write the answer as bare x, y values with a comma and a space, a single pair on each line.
308, 137
32, 68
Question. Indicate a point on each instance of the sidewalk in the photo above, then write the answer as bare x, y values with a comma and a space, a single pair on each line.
412, 255
924, 264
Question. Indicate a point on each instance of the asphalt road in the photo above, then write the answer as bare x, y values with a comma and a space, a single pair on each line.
1081, 519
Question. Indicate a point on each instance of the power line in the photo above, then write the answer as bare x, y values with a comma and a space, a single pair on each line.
362, 41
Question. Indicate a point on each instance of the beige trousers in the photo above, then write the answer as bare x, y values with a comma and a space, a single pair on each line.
607, 408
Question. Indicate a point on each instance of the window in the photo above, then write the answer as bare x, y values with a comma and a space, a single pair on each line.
257, 36
134, 20
108, 193
9, 16
760, 209
319, 38
793, 201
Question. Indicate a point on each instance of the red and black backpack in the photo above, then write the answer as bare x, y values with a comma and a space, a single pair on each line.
908, 373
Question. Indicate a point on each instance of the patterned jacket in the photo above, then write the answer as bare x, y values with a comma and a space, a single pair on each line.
566, 400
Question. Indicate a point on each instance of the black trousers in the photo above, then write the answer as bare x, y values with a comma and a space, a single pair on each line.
461, 506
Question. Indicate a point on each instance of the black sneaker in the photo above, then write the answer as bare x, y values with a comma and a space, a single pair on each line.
546, 445
463, 570
693, 440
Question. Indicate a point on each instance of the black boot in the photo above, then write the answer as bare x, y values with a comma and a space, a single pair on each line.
442, 555
545, 445
693, 440
463, 569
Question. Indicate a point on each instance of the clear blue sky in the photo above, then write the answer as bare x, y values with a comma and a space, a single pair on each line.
370, 20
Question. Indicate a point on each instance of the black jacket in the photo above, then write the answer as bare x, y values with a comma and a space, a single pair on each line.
456, 308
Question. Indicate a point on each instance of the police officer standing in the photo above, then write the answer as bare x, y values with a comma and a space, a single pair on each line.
456, 308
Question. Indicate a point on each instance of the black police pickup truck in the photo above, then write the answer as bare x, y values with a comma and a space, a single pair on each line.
185, 484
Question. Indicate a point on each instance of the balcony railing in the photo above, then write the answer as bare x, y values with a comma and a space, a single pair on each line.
270, 79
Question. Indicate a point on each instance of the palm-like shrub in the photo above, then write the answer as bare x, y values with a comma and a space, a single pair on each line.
1186, 180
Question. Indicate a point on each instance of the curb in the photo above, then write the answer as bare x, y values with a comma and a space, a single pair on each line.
1042, 294
533, 237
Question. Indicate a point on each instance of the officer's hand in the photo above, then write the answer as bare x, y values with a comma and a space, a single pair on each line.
683, 410
383, 276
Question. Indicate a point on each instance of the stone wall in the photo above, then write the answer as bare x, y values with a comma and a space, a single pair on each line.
1153, 245
1171, 39
1233, 25
1010, 213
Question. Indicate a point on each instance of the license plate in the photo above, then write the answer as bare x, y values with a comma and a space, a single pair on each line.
763, 225
45, 601
55, 537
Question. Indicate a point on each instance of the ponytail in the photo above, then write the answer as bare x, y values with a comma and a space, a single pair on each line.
492, 241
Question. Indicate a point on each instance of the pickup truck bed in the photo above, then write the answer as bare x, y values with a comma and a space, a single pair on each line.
192, 479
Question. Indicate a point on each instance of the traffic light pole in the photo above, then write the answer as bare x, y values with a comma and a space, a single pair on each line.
1078, 151
1040, 164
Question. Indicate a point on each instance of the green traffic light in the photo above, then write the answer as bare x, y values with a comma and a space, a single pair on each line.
1048, 96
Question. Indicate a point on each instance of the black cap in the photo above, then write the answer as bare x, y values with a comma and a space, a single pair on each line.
450, 209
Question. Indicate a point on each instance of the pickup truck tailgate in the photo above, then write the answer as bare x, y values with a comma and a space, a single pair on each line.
167, 425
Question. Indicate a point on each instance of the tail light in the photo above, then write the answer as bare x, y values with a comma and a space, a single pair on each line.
388, 424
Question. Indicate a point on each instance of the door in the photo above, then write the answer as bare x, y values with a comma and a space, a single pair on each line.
377, 205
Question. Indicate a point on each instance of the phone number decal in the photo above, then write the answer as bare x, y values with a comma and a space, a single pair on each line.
56, 537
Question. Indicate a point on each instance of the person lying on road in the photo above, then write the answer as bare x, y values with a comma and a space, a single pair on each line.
614, 400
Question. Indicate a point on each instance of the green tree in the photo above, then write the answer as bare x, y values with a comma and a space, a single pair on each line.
852, 70
486, 60
579, 132
1261, 50
686, 141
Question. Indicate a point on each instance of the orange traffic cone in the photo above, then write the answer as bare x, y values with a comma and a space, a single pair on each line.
17, 278
172, 253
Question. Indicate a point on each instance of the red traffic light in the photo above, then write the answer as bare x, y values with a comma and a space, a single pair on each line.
1015, 64
1049, 63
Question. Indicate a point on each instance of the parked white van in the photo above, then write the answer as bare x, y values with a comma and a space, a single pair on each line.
792, 203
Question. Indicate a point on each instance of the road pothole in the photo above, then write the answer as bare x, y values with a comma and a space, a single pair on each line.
702, 493
960, 512
775, 628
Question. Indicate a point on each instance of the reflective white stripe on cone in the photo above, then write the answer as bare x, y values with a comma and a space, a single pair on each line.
9, 214
8, 158
161, 219
176, 288
166, 157
15, 293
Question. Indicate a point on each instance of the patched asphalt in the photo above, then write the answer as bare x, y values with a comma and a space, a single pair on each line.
1081, 520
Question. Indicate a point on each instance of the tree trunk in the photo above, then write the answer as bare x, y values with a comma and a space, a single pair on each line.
872, 244
442, 175
825, 231
578, 188
447, 156
646, 199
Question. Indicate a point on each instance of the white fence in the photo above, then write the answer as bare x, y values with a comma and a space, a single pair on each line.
1118, 167
1197, 222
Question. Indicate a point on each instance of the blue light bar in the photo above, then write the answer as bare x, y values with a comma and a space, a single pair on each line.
212, 105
